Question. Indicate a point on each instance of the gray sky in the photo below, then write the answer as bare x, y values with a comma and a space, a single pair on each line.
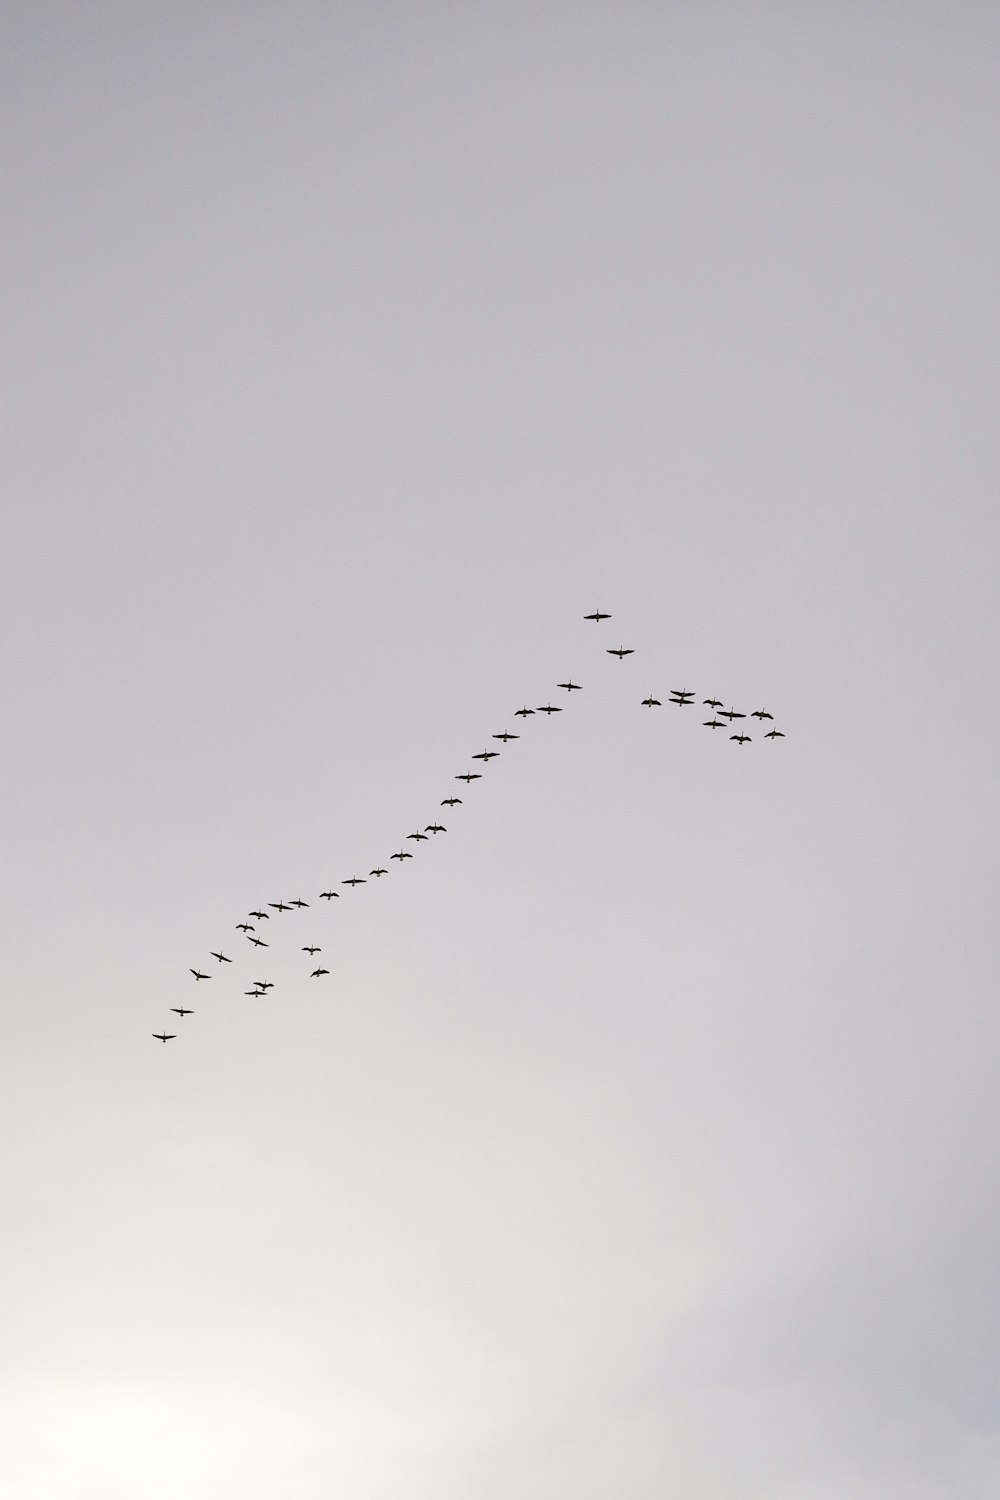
643, 1137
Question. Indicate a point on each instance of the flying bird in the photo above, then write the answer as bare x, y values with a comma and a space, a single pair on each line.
417, 836
571, 686
262, 916
199, 975
278, 906
712, 702
354, 880
379, 871
774, 734
682, 699
714, 724
651, 703
257, 942
505, 736
317, 972
730, 714
436, 828
469, 776
522, 713
165, 1036
329, 895
311, 949
741, 739
549, 708
298, 903
221, 957
597, 615
245, 926
761, 713
264, 984
451, 802
620, 651
486, 755
403, 854
179, 1010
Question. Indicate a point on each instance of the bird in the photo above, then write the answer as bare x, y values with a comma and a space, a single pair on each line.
505, 736
681, 698
264, 984
199, 975
298, 903
620, 651
354, 880
311, 949
741, 739
317, 972
262, 916
522, 713
486, 755
571, 686
256, 993
379, 871
179, 1010
403, 854
714, 724
165, 1036
417, 836
436, 828
597, 615
221, 957
245, 927
258, 942
712, 702
774, 734
469, 776
329, 895
278, 906
761, 713
651, 703
451, 801
548, 708
730, 714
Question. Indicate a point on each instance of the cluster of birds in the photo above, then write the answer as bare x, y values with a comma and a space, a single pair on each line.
721, 718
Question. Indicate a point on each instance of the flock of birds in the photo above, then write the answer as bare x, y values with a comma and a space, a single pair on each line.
721, 718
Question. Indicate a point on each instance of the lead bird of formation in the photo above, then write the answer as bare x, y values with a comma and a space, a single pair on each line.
720, 718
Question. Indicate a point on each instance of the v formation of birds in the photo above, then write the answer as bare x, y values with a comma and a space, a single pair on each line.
251, 928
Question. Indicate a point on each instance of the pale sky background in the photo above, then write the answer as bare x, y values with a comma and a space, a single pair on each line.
642, 1141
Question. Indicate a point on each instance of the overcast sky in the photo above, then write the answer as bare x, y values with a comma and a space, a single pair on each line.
642, 1138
